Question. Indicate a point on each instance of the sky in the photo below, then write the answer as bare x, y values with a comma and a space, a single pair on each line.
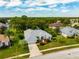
39, 8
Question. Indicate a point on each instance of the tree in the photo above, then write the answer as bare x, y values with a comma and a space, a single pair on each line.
9, 33
24, 17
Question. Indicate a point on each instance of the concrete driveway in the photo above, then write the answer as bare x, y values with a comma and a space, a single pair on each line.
34, 50
65, 54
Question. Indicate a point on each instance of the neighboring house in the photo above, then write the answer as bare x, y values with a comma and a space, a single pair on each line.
2, 25
58, 24
69, 32
33, 35
4, 41
74, 22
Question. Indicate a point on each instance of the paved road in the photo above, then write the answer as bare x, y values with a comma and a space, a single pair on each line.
65, 54
43, 51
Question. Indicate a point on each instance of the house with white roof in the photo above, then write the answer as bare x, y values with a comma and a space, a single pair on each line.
69, 31
2, 25
31, 36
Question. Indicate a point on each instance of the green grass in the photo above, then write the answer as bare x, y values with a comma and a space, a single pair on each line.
16, 49
22, 48
23, 57
56, 50
58, 41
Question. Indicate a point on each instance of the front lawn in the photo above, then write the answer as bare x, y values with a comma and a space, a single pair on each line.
59, 41
16, 49
23, 57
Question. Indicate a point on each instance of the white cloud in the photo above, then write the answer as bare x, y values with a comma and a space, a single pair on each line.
13, 3
59, 1
37, 9
2, 3
40, 2
33, 9
65, 10
52, 6
55, 9
31, 3
51, 1
47, 2
42, 8
67, 1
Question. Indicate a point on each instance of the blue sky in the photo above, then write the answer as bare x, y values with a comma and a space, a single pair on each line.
38, 8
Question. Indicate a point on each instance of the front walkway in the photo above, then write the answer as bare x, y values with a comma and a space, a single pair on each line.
34, 50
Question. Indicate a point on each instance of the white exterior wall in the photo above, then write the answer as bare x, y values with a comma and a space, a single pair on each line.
64, 35
52, 27
6, 43
1, 44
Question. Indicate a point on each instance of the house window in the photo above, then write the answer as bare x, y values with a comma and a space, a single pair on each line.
3, 44
38, 38
0, 44
42, 37
49, 38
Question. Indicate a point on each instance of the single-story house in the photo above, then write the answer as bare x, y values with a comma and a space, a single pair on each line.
2, 25
4, 40
55, 25
69, 31
31, 36
74, 22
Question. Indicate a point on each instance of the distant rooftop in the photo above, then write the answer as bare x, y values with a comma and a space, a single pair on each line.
56, 24
3, 38
3, 25
70, 31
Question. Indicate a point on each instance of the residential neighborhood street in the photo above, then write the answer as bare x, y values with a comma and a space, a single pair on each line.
39, 29
65, 54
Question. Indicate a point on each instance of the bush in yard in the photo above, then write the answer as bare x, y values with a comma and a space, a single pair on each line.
60, 39
20, 36
51, 31
77, 38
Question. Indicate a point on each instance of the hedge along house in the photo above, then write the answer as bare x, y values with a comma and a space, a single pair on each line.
4, 41
69, 32
31, 36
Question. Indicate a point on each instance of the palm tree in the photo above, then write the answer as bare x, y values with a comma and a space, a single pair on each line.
8, 33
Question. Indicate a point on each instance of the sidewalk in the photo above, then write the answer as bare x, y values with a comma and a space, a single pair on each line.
44, 50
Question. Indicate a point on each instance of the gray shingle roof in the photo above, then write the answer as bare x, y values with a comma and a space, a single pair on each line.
31, 35
3, 25
69, 31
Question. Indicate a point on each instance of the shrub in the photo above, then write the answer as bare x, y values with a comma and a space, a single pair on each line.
51, 31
